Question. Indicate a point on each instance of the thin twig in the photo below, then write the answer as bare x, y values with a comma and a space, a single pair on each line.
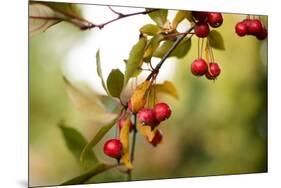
115, 12
100, 26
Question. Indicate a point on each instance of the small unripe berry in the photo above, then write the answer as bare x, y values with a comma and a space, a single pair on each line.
213, 71
113, 148
262, 34
200, 16
215, 19
241, 29
255, 27
162, 111
122, 121
146, 116
201, 30
157, 138
199, 67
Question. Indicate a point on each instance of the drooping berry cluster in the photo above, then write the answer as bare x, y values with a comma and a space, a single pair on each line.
203, 20
153, 117
146, 116
252, 27
200, 67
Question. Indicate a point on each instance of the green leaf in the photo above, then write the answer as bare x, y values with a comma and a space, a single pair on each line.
216, 40
99, 71
180, 16
96, 139
89, 104
115, 82
75, 143
41, 17
179, 52
168, 88
152, 46
135, 59
150, 29
97, 169
159, 17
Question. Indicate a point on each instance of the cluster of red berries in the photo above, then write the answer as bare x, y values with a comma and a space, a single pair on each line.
200, 67
203, 20
251, 27
153, 117
146, 116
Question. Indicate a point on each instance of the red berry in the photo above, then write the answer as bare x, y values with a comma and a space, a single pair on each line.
157, 138
122, 121
255, 27
241, 29
199, 67
162, 111
215, 19
213, 72
201, 29
146, 116
200, 16
262, 34
113, 148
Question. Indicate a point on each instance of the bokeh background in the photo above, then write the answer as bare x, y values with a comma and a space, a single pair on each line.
217, 128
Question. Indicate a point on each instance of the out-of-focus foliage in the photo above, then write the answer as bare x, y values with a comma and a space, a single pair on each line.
216, 128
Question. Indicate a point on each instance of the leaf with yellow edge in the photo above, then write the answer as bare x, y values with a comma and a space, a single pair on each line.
124, 138
138, 98
166, 87
146, 131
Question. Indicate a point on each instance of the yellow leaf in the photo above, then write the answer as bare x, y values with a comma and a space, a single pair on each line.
146, 131
124, 138
138, 98
168, 88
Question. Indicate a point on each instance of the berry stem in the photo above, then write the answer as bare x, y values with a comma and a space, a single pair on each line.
175, 44
202, 48
198, 49
129, 172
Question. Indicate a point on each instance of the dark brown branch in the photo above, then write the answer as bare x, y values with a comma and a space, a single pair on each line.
121, 16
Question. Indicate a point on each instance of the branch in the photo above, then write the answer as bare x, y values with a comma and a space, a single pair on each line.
176, 43
115, 12
84, 24
121, 16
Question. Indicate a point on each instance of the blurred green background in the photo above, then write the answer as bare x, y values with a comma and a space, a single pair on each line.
217, 127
